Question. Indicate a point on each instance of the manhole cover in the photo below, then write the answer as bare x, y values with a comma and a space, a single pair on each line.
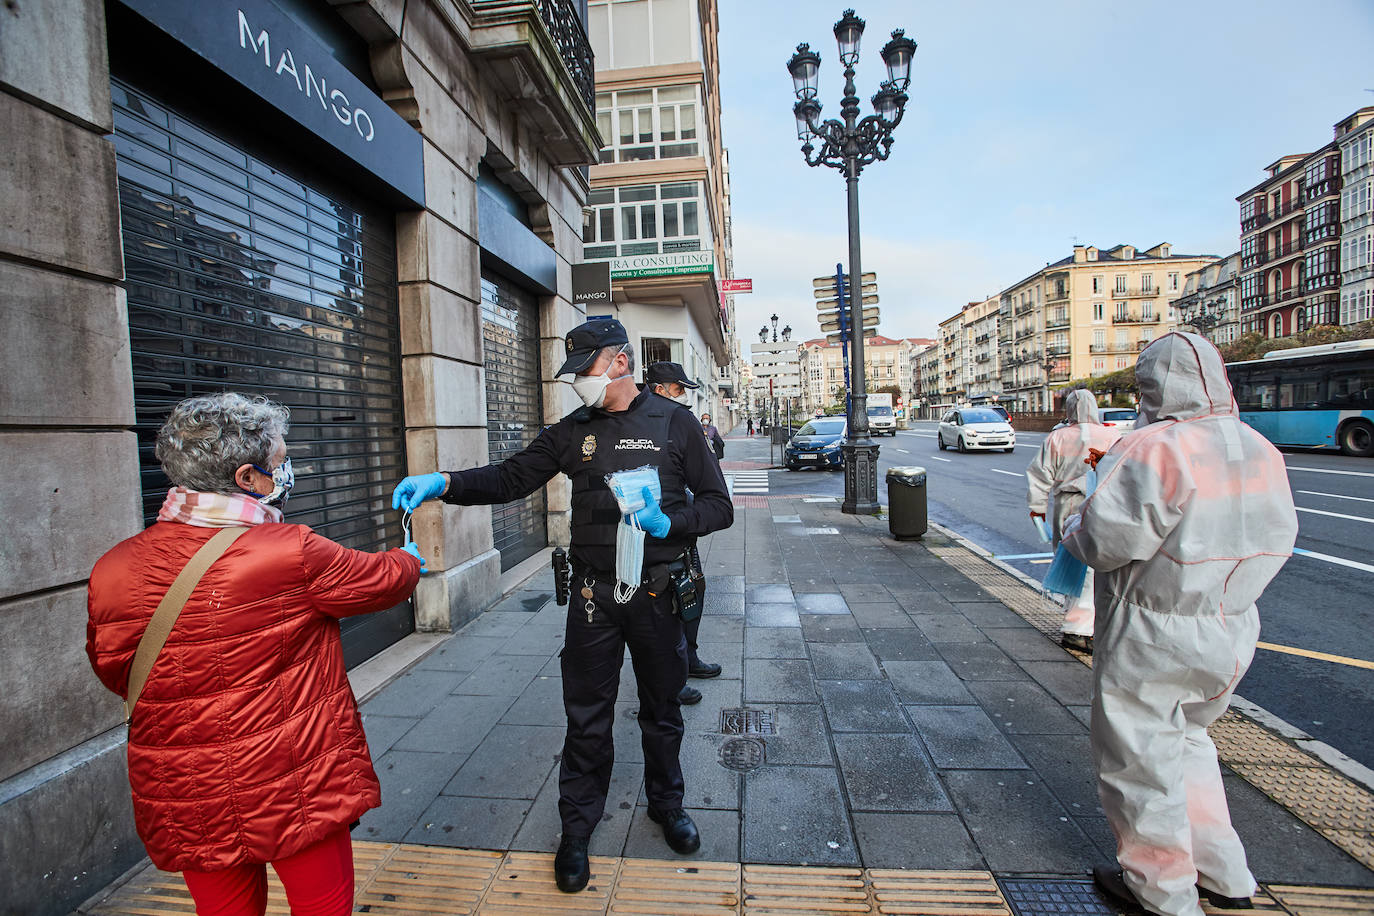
745, 721
1031, 897
741, 754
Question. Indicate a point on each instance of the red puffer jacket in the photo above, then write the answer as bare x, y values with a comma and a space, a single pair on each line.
246, 745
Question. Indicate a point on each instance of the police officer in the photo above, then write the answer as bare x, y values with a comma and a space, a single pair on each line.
670, 381
620, 427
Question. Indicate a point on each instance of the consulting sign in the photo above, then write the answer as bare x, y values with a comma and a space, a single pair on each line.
663, 265
264, 50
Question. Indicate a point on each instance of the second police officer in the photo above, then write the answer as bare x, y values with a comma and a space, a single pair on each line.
618, 428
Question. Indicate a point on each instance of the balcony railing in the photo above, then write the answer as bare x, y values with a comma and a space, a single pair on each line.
1025, 309
1323, 188
1257, 301
1057, 295
1056, 321
1023, 333
1281, 213
1056, 351
1254, 260
1282, 251
1317, 282
1283, 295
1135, 319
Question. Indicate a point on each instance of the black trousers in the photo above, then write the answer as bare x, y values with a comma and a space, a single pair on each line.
593, 653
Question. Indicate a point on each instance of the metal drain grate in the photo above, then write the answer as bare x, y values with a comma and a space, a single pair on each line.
745, 721
741, 754
1032, 897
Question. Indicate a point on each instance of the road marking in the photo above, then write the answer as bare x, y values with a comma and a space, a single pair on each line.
1321, 656
1023, 556
1339, 561
1329, 471
1336, 496
924, 435
1038, 562
1353, 518
905, 452
1008, 473
747, 482
938, 458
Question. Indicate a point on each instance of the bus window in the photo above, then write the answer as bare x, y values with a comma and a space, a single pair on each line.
1300, 389
1256, 394
1352, 389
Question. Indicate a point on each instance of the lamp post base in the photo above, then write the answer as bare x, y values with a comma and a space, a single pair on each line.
860, 477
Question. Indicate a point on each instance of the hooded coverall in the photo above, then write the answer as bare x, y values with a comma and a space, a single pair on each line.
1191, 519
1059, 468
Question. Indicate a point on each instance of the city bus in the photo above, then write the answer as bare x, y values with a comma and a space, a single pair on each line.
1311, 397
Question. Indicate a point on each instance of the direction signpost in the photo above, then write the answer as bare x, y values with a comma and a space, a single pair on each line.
836, 315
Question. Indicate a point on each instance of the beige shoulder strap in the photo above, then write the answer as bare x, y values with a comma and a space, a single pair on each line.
169, 609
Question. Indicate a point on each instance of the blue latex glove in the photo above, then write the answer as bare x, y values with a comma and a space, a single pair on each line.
414, 550
651, 517
412, 491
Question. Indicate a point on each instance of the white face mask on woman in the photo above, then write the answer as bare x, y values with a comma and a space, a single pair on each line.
592, 388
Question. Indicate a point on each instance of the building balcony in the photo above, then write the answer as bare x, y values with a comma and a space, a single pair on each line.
1254, 222
982, 337
983, 358
1025, 309
1326, 187
1287, 211
1135, 319
1024, 333
1060, 375
1318, 282
1254, 260
1053, 322
540, 60
1057, 350
1257, 301
1150, 293
1057, 295
1286, 251
1283, 295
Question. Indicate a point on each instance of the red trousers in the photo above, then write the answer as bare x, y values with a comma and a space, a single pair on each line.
318, 882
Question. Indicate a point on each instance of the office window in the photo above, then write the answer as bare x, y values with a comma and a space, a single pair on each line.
1147, 283
658, 123
658, 349
1120, 283
1173, 282
1097, 286
1147, 309
1099, 340
1121, 311
1097, 311
641, 215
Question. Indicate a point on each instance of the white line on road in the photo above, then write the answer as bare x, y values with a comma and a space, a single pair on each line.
1339, 561
1008, 473
1336, 496
1329, 471
1353, 518
938, 458
905, 452
924, 435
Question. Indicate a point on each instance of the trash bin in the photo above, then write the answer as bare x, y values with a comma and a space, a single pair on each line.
906, 503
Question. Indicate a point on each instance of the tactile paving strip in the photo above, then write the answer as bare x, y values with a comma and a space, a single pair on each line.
937, 893
524, 887
783, 890
428, 879
1263, 904
651, 886
1320, 901
1046, 897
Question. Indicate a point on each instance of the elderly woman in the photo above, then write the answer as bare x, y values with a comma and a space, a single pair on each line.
245, 745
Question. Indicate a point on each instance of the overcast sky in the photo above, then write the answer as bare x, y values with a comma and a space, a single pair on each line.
1030, 124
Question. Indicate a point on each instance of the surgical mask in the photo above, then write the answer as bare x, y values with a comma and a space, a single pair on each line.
592, 388
629, 559
283, 479
628, 487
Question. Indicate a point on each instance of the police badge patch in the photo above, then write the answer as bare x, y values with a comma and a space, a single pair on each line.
588, 448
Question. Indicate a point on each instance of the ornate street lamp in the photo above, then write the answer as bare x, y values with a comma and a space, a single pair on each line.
848, 145
774, 319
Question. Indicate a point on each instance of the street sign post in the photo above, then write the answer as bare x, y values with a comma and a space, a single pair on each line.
834, 311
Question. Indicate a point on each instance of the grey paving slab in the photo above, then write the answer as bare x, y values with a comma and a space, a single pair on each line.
992, 615
771, 642
496, 623
899, 645
730, 604
1017, 823
414, 693
927, 682
769, 594
803, 584
489, 773
822, 603
474, 823
455, 726
707, 784
384, 731
716, 694
796, 815
862, 593
942, 628
529, 600
861, 706
503, 675
1065, 763
889, 773
534, 640
460, 653
980, 662
1100, 832
905, 840
411, 780
719, 628
778, 680
543, 829
802, 737
1024, 708
844, 661
830, 628
1069, 682
883, 615
930, 603
964, 738
731, 584
771, 615
1029, 645
551, 615
540, 704
730, 657
1083, 714
1280, 847
719, 831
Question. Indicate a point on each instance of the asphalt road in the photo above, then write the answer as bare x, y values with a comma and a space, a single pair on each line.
1315, 604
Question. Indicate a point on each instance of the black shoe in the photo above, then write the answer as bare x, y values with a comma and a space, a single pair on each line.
1113, 884
703, 669
1074, 641
1222, 902
689, 696
678, 830
571, 871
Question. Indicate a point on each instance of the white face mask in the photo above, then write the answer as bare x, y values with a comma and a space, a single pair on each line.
684, 399
592, 388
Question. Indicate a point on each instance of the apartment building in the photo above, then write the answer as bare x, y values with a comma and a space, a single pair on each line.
982, 378
926, 380
1210, 304
659, 206
777, 374
1084, 315
821, 365
950, 334
1355, 140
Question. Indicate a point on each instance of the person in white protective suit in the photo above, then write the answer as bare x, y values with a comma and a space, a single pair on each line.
1191, 519
1061, 469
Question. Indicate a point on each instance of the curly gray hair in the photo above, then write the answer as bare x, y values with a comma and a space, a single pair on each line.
206, 439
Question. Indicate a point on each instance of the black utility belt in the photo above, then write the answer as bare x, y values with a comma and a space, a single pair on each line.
660, 574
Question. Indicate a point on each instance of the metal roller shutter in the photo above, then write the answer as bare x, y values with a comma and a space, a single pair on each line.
242, 277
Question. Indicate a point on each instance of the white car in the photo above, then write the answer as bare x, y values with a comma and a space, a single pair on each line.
969, 428
1122, 418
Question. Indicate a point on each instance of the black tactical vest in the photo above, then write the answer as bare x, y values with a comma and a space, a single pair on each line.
602, 443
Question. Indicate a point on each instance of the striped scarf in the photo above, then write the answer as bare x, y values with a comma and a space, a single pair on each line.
214, 510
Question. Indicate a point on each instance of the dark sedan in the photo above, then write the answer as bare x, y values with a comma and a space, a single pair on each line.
816, 445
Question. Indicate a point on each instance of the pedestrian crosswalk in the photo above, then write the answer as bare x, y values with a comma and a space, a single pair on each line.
747, 482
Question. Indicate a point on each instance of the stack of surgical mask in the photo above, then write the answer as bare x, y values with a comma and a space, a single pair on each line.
628, 489
1067, 573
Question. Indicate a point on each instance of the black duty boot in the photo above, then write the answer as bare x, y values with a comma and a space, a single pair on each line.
1112, 883
1075, 641
1222, 902
571, 871
678, 830
699, 668
689, 696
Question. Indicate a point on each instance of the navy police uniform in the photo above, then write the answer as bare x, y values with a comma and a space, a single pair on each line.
587, 445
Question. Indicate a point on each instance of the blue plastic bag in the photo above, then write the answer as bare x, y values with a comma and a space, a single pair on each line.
1067, 573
